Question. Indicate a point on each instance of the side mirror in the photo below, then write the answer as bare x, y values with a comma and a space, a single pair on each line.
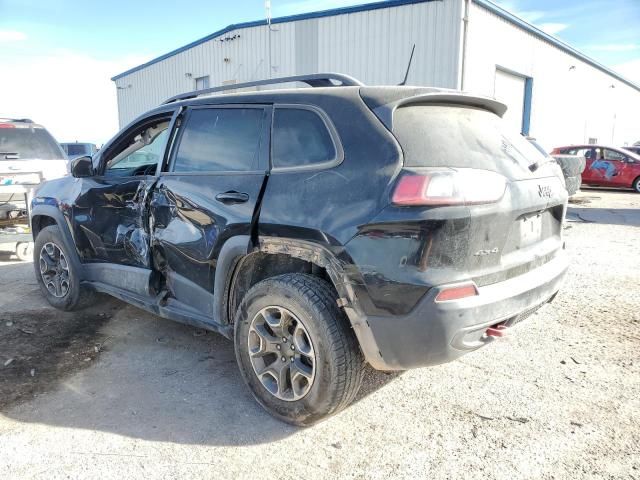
82, 167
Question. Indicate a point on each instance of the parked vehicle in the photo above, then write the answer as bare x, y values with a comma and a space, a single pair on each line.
75, 149
632, 148
28, 154
607, 166
318, 228
572, 167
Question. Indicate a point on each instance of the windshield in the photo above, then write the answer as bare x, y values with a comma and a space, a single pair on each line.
28, 143
462, 137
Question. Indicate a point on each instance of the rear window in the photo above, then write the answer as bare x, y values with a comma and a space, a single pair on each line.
28, 143
461, 137
75, 150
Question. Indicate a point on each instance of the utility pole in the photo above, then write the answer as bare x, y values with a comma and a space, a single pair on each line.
267, 7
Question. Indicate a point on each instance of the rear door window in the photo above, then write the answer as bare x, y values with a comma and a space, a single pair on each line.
462, 137
301, 138
28, 143
220, 139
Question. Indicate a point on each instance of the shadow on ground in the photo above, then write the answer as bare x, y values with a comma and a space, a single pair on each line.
117, 369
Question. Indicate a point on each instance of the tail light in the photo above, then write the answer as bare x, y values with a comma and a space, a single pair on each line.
7, 125
464, 186
457, 292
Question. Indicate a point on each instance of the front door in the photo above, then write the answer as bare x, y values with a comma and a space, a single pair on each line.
109, 218
207, 194
607, 169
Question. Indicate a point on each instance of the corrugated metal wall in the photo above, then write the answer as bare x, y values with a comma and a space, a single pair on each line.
572, 101
373, 46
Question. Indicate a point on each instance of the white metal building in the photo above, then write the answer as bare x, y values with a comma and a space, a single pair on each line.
554, 92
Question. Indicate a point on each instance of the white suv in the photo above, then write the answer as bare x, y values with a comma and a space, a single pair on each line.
28, 155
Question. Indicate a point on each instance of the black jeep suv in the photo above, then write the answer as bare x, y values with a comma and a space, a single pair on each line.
319, 228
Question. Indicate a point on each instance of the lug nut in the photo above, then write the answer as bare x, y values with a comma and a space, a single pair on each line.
292, 347
284, 339
278, 347
284, 359
292, 359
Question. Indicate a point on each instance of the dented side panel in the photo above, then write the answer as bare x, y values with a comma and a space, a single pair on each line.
190, 226
109, 220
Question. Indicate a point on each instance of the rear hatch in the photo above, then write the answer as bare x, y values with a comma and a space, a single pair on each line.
28, 152
482, 202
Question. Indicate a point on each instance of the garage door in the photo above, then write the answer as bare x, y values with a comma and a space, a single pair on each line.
509, 89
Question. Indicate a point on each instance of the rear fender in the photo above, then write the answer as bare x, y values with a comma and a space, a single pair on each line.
338, 271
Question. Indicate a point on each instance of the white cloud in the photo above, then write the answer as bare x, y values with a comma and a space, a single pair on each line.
530, 16
71, 94
630, 70
7, 36
552, 28
615, 47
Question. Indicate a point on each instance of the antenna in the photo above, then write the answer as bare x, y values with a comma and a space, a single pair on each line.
267, 8
406, 75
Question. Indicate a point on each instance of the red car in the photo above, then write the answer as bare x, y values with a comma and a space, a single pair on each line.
607, 166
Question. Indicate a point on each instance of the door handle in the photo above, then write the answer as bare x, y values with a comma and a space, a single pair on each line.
230, 198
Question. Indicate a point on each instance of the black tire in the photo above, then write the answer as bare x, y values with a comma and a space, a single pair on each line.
636, 185
75, 295
339, 363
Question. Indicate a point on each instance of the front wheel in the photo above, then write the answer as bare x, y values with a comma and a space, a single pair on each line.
636, 185
57, 272
296, 350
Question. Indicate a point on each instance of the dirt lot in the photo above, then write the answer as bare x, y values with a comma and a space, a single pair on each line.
113, 392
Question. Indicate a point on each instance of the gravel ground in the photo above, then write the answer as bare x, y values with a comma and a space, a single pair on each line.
558, 398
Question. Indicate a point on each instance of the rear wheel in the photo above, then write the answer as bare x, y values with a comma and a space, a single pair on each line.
57, 272
636, 185
296, 350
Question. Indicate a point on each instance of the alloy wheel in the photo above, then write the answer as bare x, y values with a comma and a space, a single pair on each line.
281, 353
54, 270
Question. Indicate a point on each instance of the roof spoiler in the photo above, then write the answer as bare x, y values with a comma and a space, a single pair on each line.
385, 112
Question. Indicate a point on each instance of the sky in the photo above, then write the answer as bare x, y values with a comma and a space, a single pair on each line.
57, 56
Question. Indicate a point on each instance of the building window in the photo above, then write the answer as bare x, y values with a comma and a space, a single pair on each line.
202, 82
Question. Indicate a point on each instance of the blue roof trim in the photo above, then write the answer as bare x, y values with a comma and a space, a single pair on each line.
492, 7
291, 18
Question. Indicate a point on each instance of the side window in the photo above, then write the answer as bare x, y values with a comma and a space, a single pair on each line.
587, 152
300, 138
142, 153
613, 155
220, 139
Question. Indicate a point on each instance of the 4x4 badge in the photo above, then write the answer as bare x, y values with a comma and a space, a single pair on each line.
544, 191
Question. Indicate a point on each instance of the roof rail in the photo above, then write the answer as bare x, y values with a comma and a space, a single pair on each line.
22, 120
313, 80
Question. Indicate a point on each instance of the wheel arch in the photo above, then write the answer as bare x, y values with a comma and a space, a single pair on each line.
43, 216
274, 256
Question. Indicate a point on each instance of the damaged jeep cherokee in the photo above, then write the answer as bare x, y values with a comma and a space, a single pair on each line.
318, 228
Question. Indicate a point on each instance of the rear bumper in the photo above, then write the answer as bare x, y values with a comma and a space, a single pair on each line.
438, 332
